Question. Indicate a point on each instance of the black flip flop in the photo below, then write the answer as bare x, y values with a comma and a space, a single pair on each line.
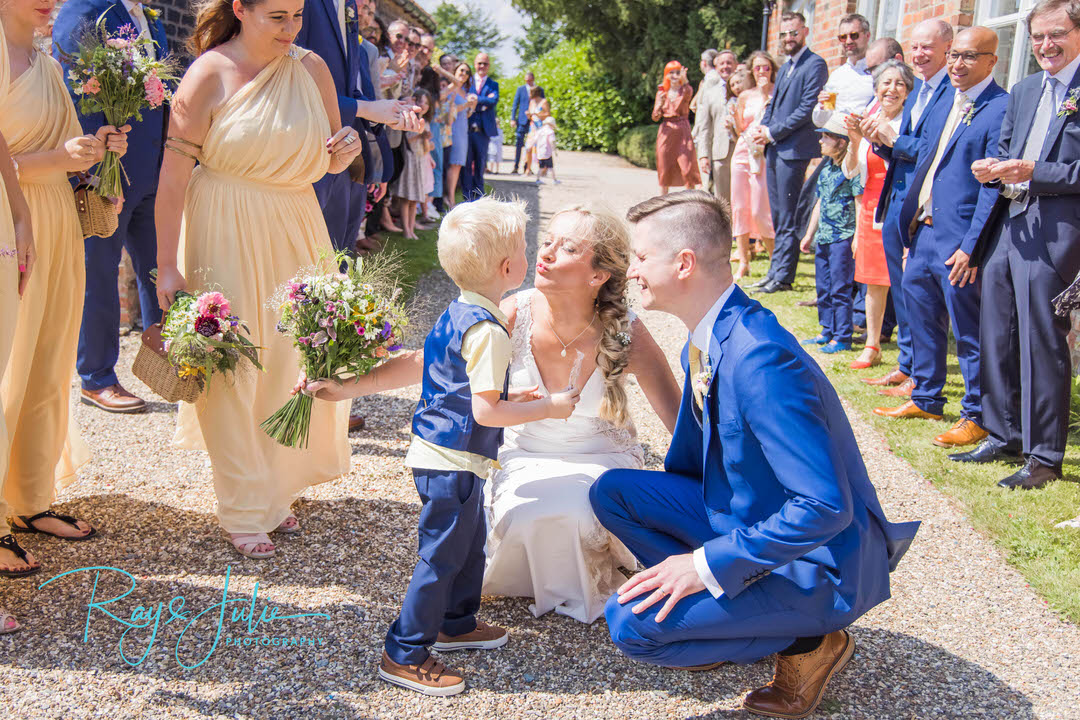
30, 529
8, 542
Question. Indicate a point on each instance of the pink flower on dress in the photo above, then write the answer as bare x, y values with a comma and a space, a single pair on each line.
91, 86
155, 90
213, 304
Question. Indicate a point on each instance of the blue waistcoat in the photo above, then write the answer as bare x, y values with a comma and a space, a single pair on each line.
444, 416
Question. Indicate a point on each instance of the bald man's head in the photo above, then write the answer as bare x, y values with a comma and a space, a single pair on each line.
482, 63
930, 44
973, 57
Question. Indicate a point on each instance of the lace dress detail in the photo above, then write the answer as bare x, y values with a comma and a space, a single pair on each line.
544, 541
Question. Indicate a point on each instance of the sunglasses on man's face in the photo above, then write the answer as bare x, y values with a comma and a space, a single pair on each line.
481, 64
789, 34
413, 45
849, 36
398, 36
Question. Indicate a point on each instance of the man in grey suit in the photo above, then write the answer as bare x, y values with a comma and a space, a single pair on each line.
712, 137
1028, 252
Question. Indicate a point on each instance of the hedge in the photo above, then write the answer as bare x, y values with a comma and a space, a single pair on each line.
638, 145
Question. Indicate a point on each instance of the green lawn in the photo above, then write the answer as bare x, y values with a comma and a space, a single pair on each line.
1020, 523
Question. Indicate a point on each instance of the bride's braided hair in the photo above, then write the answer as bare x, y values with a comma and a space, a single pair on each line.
608, 237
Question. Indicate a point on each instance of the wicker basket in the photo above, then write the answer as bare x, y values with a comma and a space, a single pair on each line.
97, 215
153, 368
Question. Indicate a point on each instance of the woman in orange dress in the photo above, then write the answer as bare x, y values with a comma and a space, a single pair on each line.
893, 80
676, 165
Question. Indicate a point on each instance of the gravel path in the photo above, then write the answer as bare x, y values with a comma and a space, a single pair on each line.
962, 637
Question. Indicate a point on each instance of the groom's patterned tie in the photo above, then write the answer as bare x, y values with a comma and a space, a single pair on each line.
695, 370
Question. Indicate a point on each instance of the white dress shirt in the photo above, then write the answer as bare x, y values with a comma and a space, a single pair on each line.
135, 10
700, 338
854, 88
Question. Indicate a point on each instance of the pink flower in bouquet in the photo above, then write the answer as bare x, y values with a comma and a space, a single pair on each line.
380, 352
207, 326
118, 43
213, 304
91, 86
155, 90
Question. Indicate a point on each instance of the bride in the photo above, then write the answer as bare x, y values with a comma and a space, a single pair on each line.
573, 328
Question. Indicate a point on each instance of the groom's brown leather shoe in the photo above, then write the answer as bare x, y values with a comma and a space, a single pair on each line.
800, 680
114, 399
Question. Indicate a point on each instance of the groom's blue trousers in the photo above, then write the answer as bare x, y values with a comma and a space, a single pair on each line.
444, 593
657, 515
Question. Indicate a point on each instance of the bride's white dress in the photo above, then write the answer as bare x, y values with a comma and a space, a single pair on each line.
544, 541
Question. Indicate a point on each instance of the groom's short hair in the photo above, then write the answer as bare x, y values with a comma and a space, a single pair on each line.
695, 219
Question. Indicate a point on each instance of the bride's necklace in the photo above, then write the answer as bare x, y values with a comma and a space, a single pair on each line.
566, 345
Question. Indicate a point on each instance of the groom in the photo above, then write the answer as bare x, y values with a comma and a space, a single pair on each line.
764, 502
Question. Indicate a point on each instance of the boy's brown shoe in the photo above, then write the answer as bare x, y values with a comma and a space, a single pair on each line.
430, 677
484, 637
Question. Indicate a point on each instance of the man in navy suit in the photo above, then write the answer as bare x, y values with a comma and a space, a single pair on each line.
791, 143
99, 337
332, 30
519, 112
759, 544
1030, 252
940, 220
481, 127
931, 41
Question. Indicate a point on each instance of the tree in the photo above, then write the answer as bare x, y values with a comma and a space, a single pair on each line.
540, 37
466, 31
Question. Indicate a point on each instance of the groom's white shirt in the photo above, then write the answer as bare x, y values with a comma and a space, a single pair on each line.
700, 337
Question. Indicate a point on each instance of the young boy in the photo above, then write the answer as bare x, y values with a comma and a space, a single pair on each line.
545, 149
457, 430
832, 227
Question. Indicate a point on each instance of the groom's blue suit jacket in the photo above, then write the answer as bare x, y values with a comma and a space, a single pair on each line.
782, 478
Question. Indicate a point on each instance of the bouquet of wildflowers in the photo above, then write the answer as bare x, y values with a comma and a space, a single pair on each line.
203, 337
343, 324
118, 75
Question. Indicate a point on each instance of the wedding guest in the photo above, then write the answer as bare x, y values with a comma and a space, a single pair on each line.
17, 257
539, 111
893, 82
410, 184
943, 214
831, 231
1030, 249
99, 334
676, 164
246, 220
753, 544
750, 213
495, 149
573, 329
37, 117
519, 113
930, 44
545, 150
712, 135
459, 131
849, 88
787, 133
709, 78
482, 127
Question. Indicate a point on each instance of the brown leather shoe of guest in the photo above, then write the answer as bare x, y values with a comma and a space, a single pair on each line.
964, 432
902, 390
484, 637
430, 677
889, 379
356, 422
799, 681
114, 399
907, 410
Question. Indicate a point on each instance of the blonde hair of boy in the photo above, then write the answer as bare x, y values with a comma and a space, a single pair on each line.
475, 237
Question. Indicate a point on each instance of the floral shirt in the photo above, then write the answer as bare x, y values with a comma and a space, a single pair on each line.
838, 207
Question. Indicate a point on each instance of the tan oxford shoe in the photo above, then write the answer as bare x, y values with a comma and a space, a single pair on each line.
114, 399
907, 410
964, 432
799, 681
902, 390
891, 378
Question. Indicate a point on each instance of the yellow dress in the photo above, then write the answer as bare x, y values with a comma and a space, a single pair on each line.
36, 114
251, 221
9, 304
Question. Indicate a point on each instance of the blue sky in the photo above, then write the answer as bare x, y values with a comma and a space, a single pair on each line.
509, 21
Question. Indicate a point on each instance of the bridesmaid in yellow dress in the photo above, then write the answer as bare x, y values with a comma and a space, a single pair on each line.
261, 117
16, 263
38, 119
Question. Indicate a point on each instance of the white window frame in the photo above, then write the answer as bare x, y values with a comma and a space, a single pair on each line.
871, 10
1021, 49
807, 8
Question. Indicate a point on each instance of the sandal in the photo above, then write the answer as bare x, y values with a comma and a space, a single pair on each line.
875, 359
288, 526
8, 623
8, 542
245, 544
30, 529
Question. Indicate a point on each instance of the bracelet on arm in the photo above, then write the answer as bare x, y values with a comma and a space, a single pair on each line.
178, 151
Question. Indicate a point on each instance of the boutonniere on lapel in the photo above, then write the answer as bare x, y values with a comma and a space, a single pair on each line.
703, 379
1068, 105
350, 15
969, 113
150, 13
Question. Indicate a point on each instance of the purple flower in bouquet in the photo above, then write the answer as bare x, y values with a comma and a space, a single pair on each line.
207, 326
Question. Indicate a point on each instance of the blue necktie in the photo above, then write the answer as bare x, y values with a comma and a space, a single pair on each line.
920, 103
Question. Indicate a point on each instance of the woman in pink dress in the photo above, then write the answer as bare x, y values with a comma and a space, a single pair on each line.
676, 162
750, 212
